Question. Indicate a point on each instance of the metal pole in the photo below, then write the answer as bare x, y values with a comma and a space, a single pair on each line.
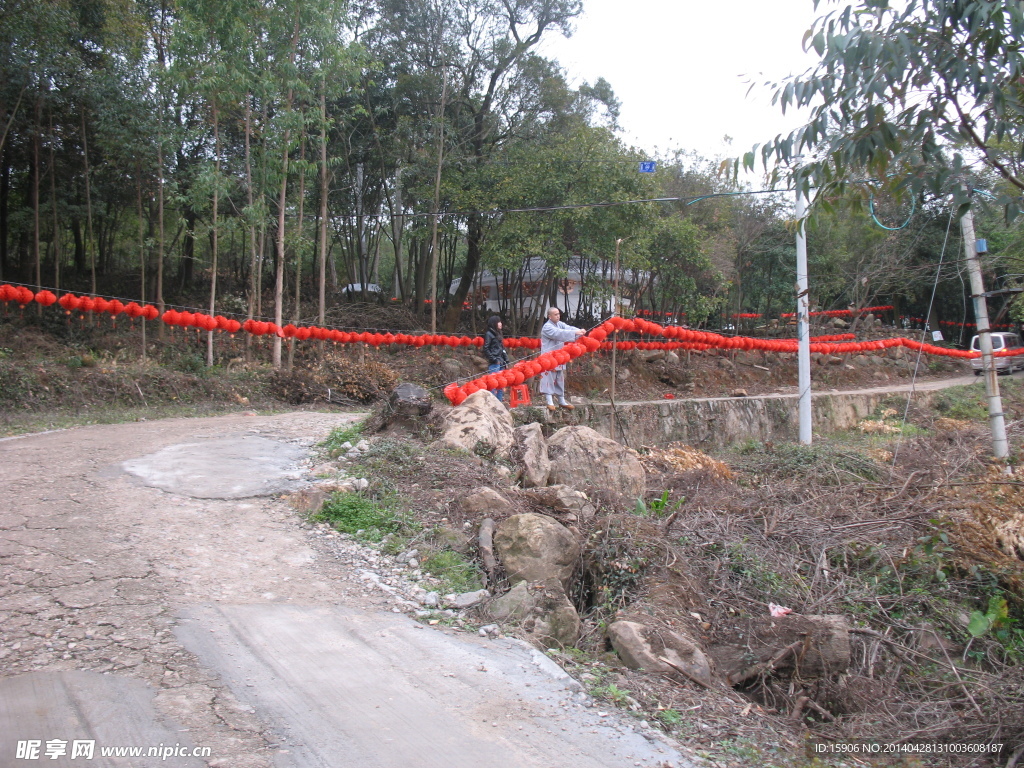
803, 332
1000, 447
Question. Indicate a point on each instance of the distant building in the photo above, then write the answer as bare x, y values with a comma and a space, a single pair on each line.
586, 288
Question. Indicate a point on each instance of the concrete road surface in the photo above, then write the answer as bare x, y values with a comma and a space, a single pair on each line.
161, 605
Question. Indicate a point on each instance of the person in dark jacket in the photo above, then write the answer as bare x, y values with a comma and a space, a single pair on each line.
494, 348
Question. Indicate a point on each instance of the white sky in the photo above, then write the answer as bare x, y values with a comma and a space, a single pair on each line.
682, 68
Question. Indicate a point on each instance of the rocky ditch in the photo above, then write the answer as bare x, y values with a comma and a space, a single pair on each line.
553, 556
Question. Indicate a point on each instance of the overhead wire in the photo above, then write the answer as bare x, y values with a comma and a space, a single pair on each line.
920, 351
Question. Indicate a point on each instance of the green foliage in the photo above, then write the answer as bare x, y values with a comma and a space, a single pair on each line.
907, 94
751, 569
359, 516
658, 507
996, 617
966, 403
331, 445
670, 717
611, 692
616, 561
456, 573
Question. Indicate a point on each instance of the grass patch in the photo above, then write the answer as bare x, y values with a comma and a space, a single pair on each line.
455, 572
963, 403
361, 517
332, 444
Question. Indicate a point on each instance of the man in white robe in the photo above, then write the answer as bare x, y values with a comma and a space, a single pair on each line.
553, 336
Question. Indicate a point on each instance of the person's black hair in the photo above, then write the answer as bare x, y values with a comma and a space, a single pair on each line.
492, 324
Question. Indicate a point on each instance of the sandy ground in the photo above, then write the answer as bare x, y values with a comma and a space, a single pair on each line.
156, 589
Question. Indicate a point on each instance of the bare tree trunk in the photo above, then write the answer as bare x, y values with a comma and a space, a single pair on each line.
324, 180
160, 231
437, 202
88, 206
142, 253
253, 265
53, 206
397, 223
35, 195
215, 233
297, 313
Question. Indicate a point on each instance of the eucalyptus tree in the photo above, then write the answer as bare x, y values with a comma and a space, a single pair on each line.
909, 95
477, 53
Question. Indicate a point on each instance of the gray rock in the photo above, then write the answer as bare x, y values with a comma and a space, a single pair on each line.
451, 369
514, 604
564, 500
650, 355
489, 630
486, 502
469, 599
430, 600
643, 647
480, 425
583, 459
530, 453
543, 610
535, 547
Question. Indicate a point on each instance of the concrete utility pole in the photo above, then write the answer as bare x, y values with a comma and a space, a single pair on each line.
615, 335
1000, 446
803, 330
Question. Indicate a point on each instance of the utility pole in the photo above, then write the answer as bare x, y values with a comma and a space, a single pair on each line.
615, 335
1000, 447
803, 331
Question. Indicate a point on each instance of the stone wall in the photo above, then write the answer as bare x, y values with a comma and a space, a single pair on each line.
716, 422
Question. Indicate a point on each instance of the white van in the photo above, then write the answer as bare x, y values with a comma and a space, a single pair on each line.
1000, 341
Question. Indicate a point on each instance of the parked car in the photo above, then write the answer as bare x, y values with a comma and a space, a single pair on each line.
1000, 341
355, 290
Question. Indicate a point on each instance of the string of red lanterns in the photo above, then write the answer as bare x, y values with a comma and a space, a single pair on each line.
678, 337
687, 338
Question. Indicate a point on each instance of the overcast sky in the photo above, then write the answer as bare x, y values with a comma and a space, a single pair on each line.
682, 68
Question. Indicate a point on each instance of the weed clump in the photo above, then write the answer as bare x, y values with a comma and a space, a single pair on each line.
359, 516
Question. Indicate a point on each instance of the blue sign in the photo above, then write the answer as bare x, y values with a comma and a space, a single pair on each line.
648, 166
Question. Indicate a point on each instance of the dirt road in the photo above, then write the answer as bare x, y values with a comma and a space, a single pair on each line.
156, 591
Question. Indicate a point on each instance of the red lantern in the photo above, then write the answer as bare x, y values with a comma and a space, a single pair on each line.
45, 298
69, 301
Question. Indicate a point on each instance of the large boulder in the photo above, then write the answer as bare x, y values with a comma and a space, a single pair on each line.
530, 454
535, 547
563, 500
583, 459
542, 610
818, 646
659, 650
481, 425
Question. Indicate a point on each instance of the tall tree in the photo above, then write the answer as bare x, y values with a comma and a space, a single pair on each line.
909, 94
